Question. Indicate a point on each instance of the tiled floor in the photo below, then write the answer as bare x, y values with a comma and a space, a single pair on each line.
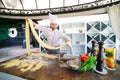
7, 53
4, 76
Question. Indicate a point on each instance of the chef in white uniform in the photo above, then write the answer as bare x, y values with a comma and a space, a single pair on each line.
53, 34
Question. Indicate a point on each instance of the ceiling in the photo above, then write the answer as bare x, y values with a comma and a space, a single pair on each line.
18, 10
43, 7
40, 4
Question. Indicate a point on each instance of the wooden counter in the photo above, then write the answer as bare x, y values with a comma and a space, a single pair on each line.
54, 72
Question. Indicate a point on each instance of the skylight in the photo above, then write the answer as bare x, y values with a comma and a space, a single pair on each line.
40, 4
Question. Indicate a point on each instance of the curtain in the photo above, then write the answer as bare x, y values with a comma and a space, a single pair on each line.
114, 16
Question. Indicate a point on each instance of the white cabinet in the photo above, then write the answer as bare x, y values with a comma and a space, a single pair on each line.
108, 35
76, 31
100, 30
82, 33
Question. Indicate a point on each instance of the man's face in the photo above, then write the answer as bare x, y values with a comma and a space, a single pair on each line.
53, 26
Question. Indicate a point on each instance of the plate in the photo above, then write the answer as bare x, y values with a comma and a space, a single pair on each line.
111, 69
104, 71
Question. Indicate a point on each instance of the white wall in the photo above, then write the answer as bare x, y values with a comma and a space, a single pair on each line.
99, 17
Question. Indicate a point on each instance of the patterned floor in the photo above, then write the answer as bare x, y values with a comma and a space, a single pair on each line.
7, 53
4, 76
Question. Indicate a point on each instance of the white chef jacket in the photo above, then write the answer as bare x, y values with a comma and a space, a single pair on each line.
53, 37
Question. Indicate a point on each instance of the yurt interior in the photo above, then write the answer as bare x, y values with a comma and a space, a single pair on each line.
59, 39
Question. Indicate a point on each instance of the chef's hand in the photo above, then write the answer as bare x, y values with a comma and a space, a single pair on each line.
69, 43
27, 19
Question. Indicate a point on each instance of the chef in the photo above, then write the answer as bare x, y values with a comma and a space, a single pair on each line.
53, 34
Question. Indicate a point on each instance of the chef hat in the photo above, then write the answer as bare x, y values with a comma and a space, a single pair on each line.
53, 18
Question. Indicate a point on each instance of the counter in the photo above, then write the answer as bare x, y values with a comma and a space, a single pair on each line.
54, 72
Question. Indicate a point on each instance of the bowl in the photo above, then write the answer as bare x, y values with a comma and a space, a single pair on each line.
73, 64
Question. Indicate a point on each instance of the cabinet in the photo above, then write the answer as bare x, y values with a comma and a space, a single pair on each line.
107, 35
93, 33
76, 31
100, 30
82, 33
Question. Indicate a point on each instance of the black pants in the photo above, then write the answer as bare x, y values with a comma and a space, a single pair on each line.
53, 51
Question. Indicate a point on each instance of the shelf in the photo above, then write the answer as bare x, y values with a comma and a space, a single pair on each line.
79, 49
73, 31
110, 46
96, 30
80, 25
73, 28
82, 33
83, 44
93, 32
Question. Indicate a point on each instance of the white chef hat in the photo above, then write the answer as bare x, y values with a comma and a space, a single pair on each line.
53, 18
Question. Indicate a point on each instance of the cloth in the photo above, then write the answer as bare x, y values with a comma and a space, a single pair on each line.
53, 37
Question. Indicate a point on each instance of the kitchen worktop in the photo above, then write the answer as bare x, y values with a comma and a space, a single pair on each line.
54, 72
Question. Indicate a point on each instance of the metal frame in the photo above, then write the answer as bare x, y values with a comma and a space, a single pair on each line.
22, 4
66, 9
3, 3
36, 4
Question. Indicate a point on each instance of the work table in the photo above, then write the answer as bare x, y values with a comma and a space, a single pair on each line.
54, 72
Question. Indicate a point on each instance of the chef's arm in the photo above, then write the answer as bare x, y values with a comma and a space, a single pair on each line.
34, 23
66, 38
69, 43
